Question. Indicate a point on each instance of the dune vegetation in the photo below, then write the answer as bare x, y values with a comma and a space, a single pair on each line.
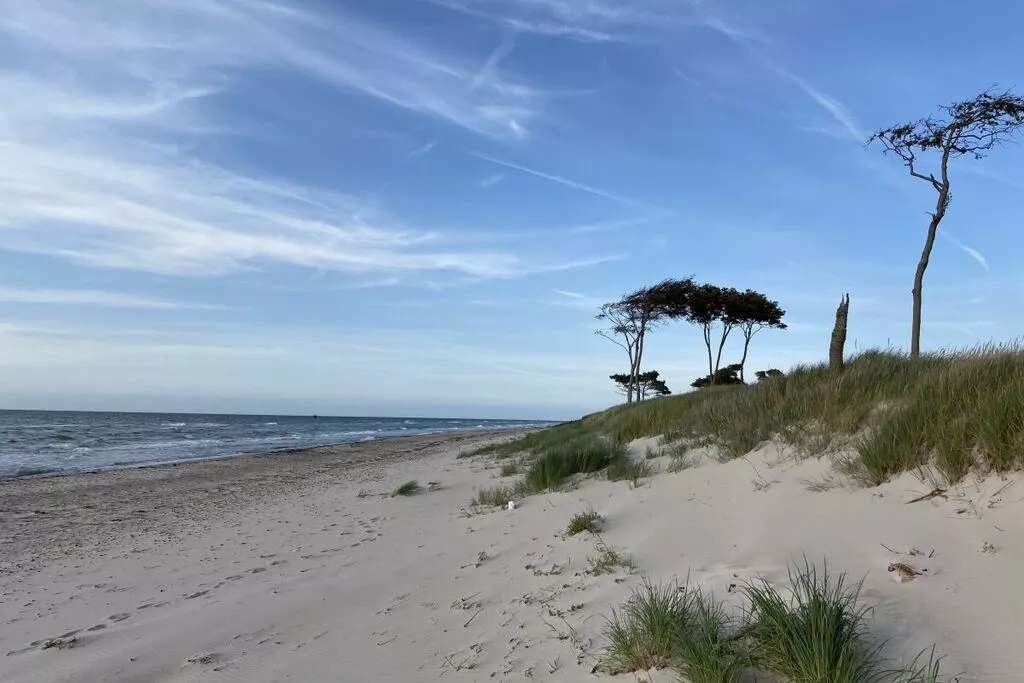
884, 414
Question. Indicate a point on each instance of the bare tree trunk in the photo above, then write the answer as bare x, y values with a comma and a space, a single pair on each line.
922, 265
635, 379
721, 345
707, 343
835, 348
743, 361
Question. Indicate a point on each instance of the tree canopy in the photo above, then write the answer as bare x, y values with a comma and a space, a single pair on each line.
730, 374
647, 384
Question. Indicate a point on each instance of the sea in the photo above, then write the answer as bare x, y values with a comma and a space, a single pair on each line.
43, 442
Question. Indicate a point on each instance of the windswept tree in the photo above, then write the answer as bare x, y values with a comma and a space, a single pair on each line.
752, 312
970, 128
770, 373
629, 319
717, 311
730, 374
647, 384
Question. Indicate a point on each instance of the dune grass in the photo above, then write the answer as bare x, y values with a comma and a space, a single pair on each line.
409, 488
588, 520
643, 633
960, 410
627, 469
707, 649
559, 460
818, 632
497, 496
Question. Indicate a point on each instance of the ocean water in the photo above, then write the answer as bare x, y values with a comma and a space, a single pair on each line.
35, 442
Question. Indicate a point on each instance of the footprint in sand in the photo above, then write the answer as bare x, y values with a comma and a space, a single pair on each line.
120, 616
97, 627
197, 594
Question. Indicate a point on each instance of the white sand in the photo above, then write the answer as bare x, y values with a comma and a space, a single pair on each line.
325, 585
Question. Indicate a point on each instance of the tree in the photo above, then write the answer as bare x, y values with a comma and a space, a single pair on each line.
765, 375
647, 384
723, 376
967, 128
835, 347
630, 318
700, 304
752, 312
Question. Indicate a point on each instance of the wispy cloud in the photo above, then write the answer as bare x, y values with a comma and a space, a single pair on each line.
583, 302
970, 251
562, 181
583, 20
492, 180
156, 41
423, 149
103, 106
753, 42
94, 297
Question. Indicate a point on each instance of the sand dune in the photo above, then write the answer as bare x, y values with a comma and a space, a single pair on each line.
324, 576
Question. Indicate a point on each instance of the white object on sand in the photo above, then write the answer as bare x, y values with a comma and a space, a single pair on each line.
511, 505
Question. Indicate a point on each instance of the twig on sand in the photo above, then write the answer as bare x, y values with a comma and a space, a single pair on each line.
888, 548
466, 625
935, 493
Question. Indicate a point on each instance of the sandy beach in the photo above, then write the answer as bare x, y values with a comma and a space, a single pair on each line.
303, 567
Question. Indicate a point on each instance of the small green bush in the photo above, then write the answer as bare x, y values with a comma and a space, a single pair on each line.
588, 520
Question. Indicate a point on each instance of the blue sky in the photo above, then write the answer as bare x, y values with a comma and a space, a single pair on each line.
415, 206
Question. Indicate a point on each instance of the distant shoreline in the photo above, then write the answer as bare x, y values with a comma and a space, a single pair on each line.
43, 473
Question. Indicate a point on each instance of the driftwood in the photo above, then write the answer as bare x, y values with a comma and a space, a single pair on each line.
835, 348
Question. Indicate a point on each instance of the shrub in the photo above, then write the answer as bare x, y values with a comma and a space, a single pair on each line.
587, 520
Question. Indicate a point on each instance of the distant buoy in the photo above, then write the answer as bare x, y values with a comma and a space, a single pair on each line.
314, 417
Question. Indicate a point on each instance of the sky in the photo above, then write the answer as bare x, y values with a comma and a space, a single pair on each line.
415, 207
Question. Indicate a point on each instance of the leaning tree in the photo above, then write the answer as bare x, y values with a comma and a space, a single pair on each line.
629, 319
969, 128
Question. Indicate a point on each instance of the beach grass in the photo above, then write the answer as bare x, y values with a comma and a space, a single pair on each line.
644, 632
708, 649
958, 410
627, 469
607, 561
817, 633
409, 488
559, 460
588, 520
497, 496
